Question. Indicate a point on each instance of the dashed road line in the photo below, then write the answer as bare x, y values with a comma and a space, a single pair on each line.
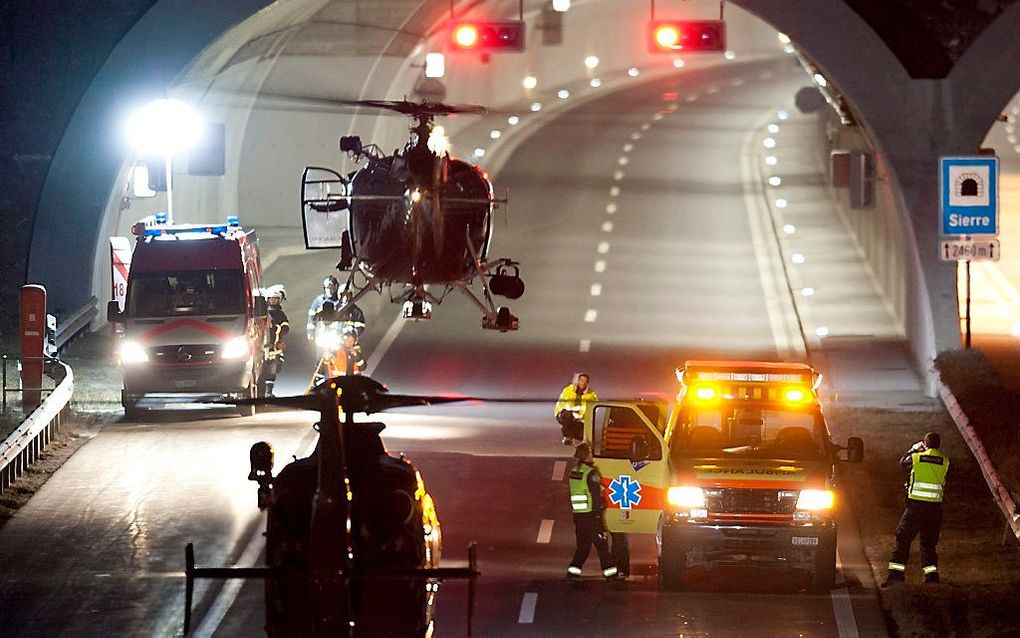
646, 126
607, 227
545, 531
628, 147
843, 609
600, 265
618, 175
603, 247
585, 345
610, 208
528, 603
635, 136
559, 469
596, 290
614, 191
591, 315
622, 160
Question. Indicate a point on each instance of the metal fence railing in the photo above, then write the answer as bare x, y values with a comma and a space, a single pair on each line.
10, 372
73, 324
19, 450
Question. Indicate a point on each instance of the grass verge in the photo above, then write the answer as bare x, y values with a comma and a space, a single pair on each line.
980, 572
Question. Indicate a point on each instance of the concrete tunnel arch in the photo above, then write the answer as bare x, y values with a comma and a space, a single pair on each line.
72, 218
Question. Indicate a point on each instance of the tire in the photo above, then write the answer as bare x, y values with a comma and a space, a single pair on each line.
823, 576
672, 562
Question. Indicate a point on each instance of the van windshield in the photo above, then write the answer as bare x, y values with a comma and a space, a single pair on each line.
186, 293
753, 430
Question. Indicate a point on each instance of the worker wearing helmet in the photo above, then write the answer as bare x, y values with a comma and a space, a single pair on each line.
278, 327
330, 290
350, 316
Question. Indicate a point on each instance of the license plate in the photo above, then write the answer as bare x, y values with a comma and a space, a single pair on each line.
186, 383
805, 540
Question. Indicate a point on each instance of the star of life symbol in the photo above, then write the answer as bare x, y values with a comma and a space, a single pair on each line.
624, 492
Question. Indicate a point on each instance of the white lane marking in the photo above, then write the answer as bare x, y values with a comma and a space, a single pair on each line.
737, 82
527, 615
384, 344
603, 247
628, 147
610, 208
622, 160
646, 126
691, 97
635, 136
713, 89
591, 315
231, 588
600, 265
782, 316
585, 345
614, 191
843, 609
607, 227
618, 175
596, 290
657, 117
559, 469
545, 531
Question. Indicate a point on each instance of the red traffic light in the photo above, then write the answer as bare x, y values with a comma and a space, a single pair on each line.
505, 36
683, 36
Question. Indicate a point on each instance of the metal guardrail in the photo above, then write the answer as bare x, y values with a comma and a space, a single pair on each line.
1000, 492
69, 327
19, 450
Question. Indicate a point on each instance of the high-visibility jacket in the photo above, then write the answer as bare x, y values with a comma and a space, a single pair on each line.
584, 488
927, 475
574, 402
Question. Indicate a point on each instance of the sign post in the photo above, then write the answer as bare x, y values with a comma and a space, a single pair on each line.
969, 214
33, 333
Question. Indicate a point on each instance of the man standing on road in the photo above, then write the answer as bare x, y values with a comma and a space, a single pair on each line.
923, 513
279, 326
571, 407
587, 505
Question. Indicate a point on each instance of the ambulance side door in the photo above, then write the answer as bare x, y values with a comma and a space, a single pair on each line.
634, 489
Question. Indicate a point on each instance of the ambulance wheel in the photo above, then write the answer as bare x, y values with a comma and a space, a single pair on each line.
251, 393
672, 562
823, 576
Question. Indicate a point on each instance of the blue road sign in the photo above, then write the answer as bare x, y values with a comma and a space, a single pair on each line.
969, 195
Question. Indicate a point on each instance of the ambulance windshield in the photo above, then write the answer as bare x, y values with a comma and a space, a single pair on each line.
186, 293
761, 432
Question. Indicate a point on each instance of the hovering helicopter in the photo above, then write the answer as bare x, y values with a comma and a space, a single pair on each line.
352, 537
410, 220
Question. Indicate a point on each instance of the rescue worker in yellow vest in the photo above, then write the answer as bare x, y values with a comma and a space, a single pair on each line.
571, 407
587, 504
923, 513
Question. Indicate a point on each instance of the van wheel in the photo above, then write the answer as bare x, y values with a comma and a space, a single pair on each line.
823, 577
251, 393
672, 562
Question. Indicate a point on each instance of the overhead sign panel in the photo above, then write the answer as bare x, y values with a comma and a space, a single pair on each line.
969, 196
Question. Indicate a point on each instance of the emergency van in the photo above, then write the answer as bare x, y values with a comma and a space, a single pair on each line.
738, 470
191, 323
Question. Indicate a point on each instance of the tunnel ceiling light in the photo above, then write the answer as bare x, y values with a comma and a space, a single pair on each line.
495, 134
513, 120
773, 128
435, 65
797, 258
789, 229
808, 291
783, 38
595, 83
730, 55
561, 5
633, 72
678, 63
591, 62
781, 202
782, 114
822, 331
535, 107
529, 82
771, 160
775, 180
479, 152
563, 94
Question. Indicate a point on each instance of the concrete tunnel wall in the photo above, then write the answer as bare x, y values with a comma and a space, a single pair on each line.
256, 189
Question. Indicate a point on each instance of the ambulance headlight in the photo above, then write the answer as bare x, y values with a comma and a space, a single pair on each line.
687, 497
816, 500
132, 352
236, 348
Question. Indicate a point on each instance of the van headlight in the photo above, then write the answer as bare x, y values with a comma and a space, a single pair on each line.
236, 348
685, 496
816, 500
132, 352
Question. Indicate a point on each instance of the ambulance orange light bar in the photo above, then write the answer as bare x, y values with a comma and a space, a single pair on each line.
706, 393
796, 395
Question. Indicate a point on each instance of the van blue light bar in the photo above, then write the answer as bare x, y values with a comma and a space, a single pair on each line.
184, 229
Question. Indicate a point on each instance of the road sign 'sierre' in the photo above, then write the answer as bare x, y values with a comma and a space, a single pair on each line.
969, 196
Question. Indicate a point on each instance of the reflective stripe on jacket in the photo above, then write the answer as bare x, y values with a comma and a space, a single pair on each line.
581, 500
927, 476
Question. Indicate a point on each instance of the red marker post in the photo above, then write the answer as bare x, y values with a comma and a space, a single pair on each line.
33, 334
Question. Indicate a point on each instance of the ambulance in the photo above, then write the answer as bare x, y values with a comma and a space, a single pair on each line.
190, 322
738, 470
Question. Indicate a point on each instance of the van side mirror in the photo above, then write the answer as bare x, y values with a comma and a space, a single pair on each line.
261, 307
638, 449
854, 450
113, 313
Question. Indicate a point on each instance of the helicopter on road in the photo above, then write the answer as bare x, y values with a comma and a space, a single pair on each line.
353, 540
418, 221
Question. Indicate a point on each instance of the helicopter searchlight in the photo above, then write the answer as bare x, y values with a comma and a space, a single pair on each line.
418, 222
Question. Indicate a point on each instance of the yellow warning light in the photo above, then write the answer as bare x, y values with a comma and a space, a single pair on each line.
706, 393
795, 395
